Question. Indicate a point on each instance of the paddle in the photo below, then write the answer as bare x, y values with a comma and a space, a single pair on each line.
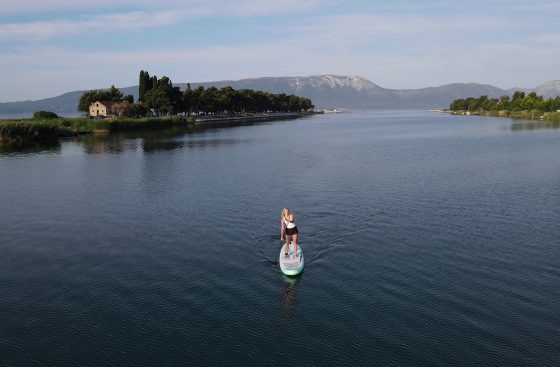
275, 262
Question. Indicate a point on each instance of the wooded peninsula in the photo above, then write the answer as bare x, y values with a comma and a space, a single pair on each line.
520, 105
160, 104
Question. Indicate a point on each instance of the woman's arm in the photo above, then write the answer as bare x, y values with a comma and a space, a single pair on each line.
282, 228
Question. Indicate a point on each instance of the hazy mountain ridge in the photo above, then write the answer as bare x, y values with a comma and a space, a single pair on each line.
326, 91
548, 89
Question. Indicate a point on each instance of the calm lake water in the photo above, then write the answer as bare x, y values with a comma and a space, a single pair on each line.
430, 240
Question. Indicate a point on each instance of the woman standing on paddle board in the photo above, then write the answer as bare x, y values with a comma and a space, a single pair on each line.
288, 227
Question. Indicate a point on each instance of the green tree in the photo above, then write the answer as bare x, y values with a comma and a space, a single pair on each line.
188, 100
157, 99
196, 101
143, 80
555, 105
87, 98
114, 93
229, 99
503, 103
517, 100
135, 110
164, 97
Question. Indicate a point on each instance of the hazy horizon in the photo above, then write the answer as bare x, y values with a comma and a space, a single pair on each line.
299, 76
52, 48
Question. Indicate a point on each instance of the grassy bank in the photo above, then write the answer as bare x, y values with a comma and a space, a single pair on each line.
21, 131
24, 131
552, 116
84, 124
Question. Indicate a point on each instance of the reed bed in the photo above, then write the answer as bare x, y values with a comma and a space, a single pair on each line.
28, 130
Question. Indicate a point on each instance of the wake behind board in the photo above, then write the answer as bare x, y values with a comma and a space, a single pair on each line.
293, 263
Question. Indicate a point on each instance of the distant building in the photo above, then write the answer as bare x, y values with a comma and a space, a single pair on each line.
108, 108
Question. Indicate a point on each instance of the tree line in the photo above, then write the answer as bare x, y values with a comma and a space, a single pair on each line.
518, 102
161, 97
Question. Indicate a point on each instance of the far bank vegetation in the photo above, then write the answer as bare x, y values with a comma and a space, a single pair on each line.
520, 105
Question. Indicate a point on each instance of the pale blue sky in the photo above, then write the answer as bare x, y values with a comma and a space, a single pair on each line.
51, 47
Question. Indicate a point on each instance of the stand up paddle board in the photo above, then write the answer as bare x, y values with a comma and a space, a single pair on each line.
293, 263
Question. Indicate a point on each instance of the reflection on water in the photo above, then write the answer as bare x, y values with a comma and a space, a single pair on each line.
172, 138
534, 125
289, 292
127, 141
150, 146
43, 147
110, 143
149, 141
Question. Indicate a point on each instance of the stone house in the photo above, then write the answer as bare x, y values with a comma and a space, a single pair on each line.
108, 108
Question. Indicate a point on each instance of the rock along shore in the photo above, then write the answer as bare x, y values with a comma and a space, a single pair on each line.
213, 121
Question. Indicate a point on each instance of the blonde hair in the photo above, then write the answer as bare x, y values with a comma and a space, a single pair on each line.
282, 216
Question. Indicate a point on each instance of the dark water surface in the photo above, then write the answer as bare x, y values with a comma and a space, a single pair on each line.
429, 240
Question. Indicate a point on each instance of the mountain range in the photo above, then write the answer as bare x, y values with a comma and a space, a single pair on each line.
326, 91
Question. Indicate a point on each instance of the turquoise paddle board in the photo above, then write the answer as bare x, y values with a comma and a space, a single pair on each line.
293, 263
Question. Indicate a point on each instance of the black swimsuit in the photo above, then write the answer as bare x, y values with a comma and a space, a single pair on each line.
291, 231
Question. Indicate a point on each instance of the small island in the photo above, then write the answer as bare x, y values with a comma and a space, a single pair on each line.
521, 105
160, 104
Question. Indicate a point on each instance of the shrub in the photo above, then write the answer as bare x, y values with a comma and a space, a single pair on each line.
535, 114
44, 115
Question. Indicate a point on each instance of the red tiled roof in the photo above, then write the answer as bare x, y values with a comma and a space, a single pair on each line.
111, 103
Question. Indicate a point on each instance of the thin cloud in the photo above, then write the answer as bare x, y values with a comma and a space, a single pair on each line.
103, 23
548, 38
225, 7
170, 12
352, 26
54, 6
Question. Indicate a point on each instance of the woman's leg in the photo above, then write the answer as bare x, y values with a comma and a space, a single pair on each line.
287, 249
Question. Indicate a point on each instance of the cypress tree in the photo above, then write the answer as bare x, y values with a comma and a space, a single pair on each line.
141, 85
188, 99
147, 82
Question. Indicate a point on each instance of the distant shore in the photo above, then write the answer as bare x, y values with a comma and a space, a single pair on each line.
523, 114
20, 131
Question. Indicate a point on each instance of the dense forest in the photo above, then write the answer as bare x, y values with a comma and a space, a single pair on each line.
160, 97
518, 102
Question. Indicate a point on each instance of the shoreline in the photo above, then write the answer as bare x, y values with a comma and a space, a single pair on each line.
533, 115
211, 121
22, 131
